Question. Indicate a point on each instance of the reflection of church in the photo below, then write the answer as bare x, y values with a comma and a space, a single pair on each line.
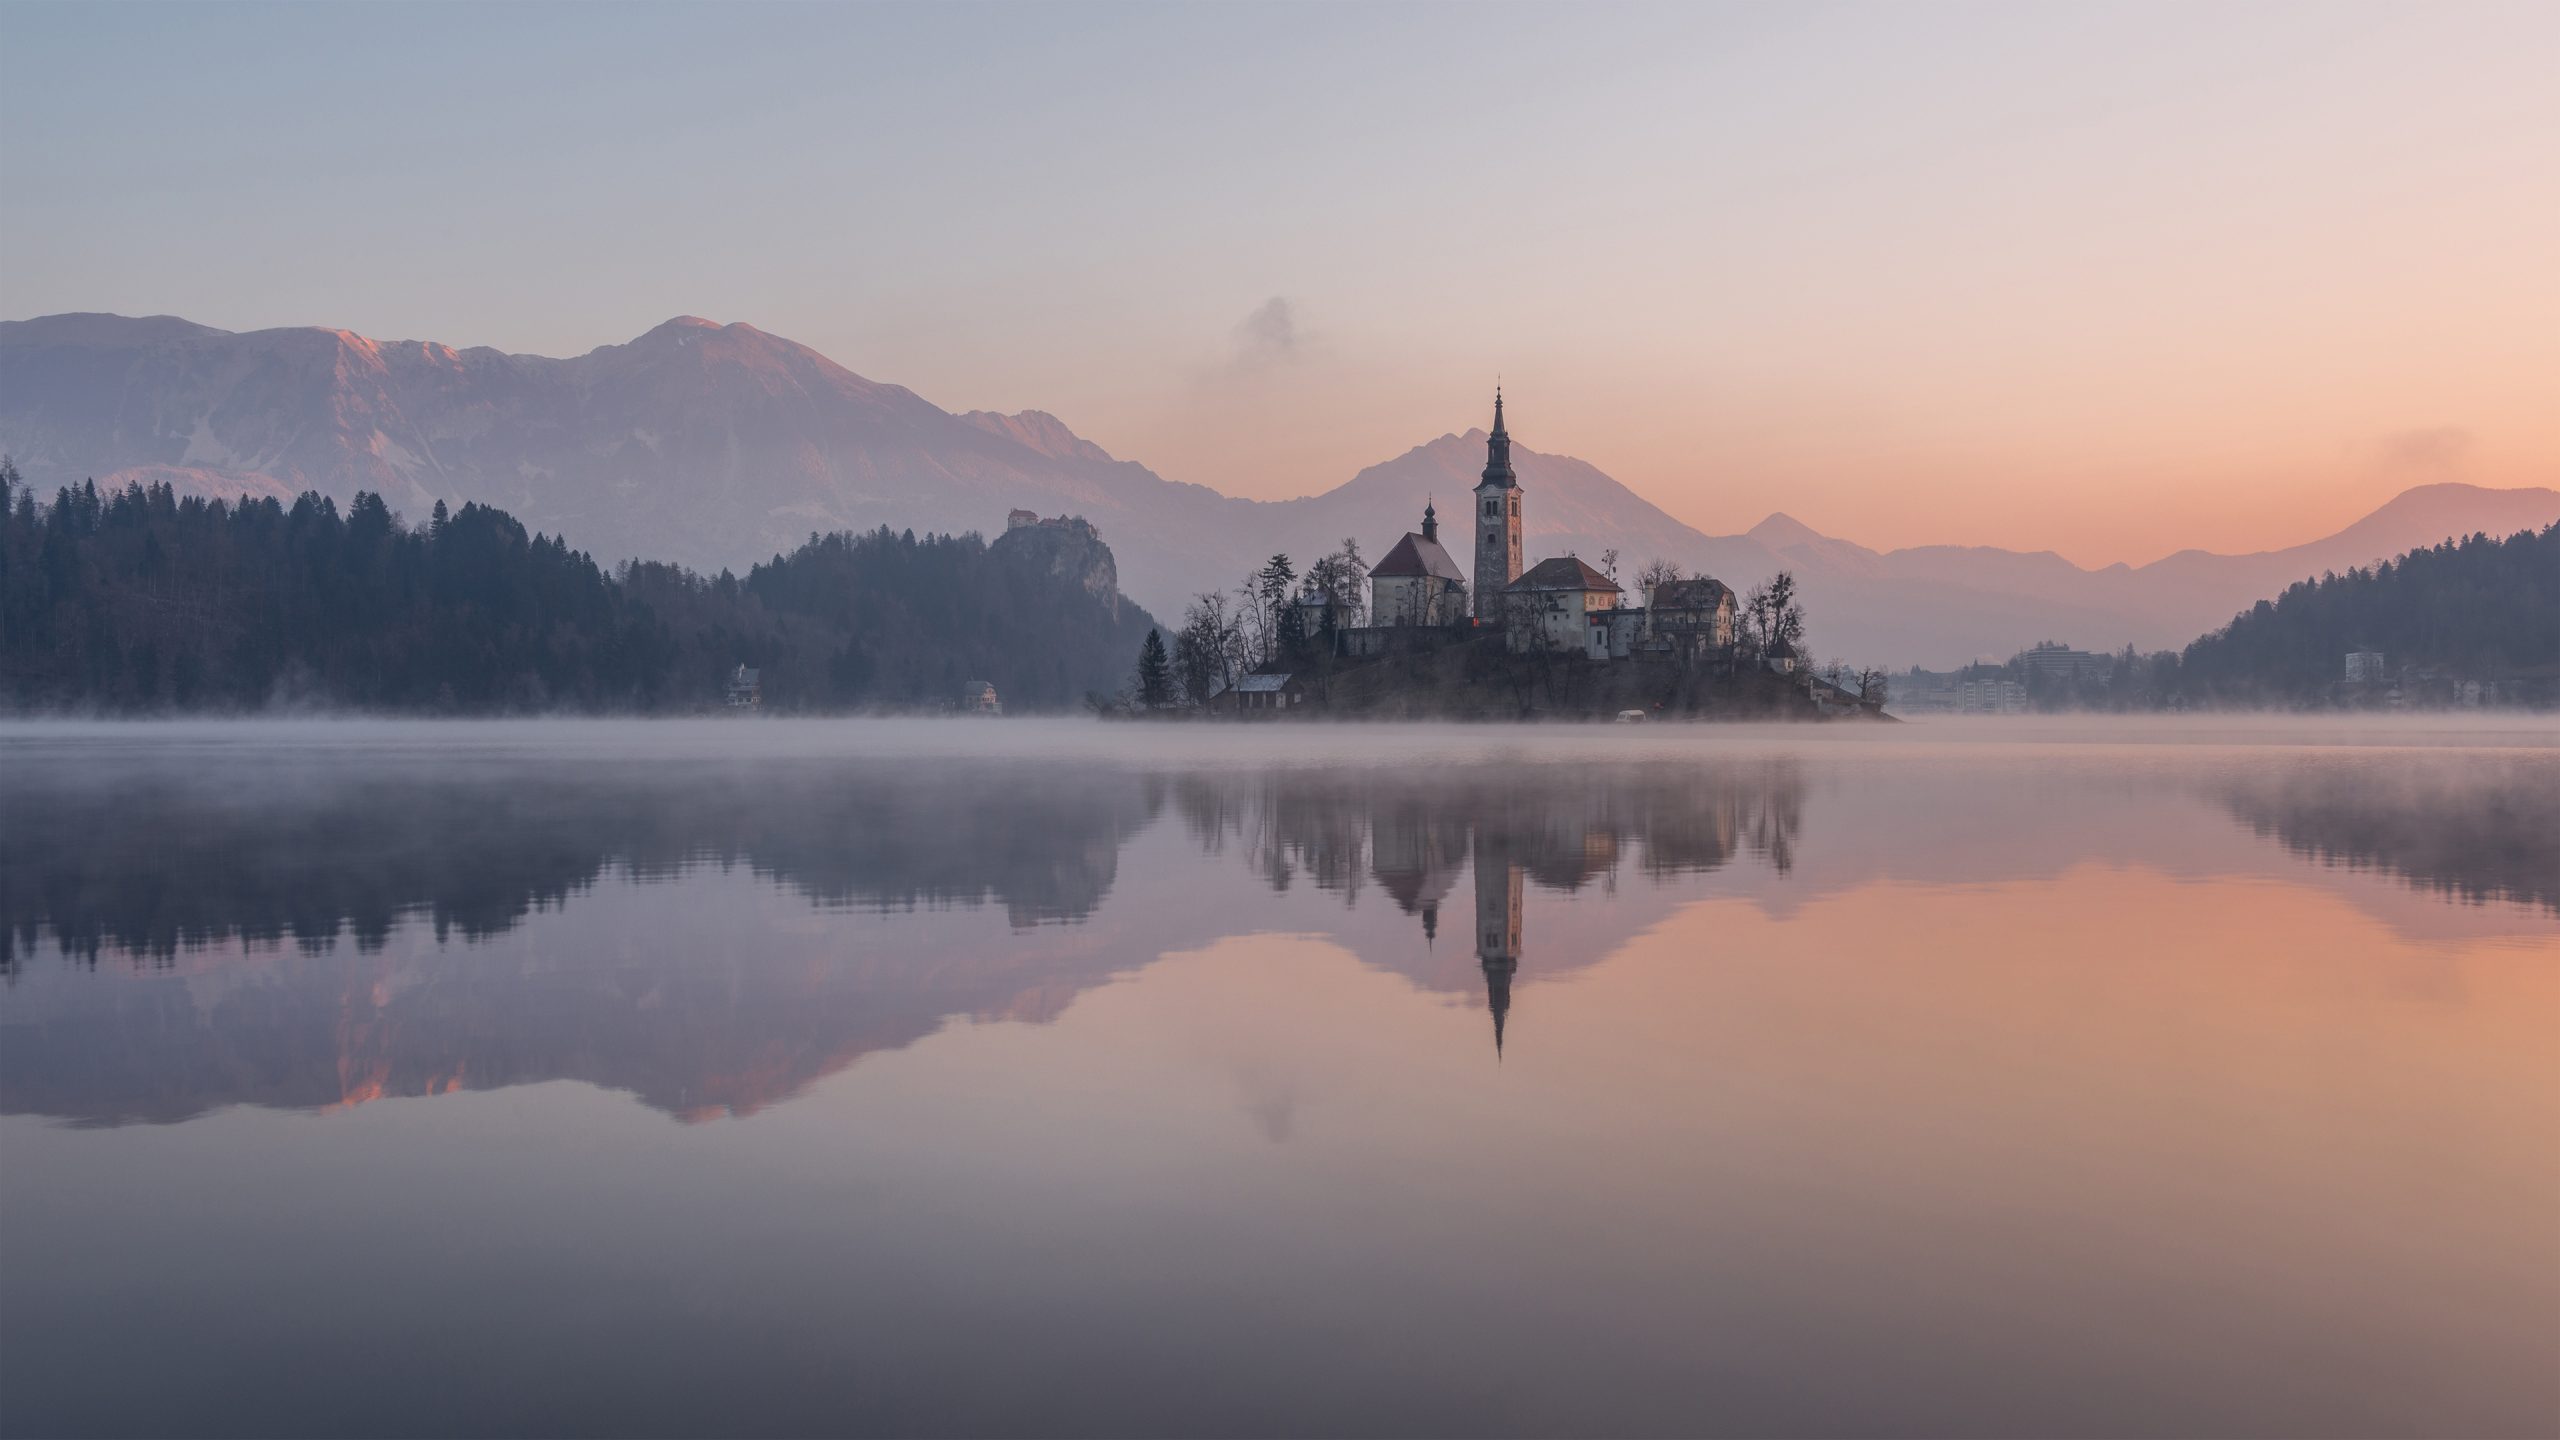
1498, 886
1551, 829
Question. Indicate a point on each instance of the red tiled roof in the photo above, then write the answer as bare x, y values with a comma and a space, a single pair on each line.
1414, 555
1695, 593
1564, 572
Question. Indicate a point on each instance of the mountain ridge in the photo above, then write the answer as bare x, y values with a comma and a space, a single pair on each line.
719, 444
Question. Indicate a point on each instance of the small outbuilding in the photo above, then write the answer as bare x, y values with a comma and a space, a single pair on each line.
1266, 692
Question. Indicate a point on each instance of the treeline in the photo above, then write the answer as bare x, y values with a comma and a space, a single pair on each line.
139, 600
2473, 609
2476, 609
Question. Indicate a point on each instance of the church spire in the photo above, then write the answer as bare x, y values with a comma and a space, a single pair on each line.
1497, 450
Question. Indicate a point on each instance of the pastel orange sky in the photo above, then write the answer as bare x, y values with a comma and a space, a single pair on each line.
2107, 279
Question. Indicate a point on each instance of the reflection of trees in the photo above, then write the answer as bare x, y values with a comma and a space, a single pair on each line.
706, 1018
699, 1019
149, 865
2477, 828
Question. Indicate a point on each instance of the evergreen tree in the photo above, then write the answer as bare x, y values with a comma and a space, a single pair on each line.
1155, 673
2475, 608
138, 600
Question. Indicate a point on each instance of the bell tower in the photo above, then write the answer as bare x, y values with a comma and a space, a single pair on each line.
1497, 520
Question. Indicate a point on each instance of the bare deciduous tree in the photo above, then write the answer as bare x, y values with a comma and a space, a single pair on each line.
1656, 572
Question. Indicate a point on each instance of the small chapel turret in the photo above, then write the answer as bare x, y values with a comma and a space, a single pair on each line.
1497, 520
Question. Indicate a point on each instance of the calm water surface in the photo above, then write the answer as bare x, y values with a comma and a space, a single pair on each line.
1048, 1078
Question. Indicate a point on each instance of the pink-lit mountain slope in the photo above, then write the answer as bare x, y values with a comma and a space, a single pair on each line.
718, 445
715, 445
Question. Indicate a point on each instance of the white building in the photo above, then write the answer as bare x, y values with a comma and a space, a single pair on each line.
1561, 604
2364, 667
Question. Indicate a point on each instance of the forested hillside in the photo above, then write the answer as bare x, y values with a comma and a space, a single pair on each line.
139, 601
2477, 609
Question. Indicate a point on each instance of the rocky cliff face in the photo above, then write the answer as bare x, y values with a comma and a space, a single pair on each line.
1067, 547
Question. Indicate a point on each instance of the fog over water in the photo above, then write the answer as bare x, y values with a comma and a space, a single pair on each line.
2018, 1076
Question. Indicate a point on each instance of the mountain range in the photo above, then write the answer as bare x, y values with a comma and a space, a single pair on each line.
720, 445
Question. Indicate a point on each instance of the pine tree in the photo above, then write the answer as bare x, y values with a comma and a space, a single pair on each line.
1155, 672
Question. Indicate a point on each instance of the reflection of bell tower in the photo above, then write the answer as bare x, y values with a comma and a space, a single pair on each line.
1498, 880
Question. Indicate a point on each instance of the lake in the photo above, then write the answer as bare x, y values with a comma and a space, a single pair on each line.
2192, 1077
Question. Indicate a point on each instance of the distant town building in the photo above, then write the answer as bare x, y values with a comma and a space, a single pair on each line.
978, 697
1991, 696
2056, 661
1418, 583
1780, 656
746, 689
2364, 667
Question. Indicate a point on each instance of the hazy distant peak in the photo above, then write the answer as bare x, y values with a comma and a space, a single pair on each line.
690, 330
88, 328
2455, 503
1781, 530
1040, 431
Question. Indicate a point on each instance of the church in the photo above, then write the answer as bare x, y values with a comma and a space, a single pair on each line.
1561, 605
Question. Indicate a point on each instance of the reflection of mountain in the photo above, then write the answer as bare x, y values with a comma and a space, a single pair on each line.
713, 936
702, 995
2478, 829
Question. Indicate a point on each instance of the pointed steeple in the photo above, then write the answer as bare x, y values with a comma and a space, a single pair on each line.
1497, 994
1430, 522
1497, 450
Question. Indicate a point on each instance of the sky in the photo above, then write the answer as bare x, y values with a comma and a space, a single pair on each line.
2108, 279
